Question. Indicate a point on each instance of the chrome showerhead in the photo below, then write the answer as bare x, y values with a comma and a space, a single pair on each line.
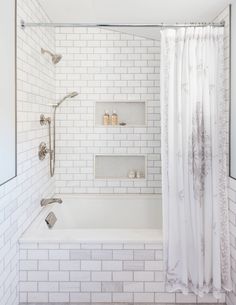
73, 94
55, 57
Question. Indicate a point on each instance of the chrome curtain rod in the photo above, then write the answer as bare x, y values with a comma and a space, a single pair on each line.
139, 25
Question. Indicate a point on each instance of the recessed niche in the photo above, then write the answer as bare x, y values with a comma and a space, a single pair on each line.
133, 113
119, 166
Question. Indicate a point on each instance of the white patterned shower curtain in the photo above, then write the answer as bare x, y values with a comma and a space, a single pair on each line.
194, 172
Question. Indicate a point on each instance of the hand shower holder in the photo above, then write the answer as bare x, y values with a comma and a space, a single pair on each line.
44, 120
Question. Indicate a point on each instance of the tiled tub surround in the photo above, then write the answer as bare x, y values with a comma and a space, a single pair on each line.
104, 65
100, 259
97, 273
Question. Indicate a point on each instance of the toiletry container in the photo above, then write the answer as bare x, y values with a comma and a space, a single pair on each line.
106, 118
131, 174
114, 118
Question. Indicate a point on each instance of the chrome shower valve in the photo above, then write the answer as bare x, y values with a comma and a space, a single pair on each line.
43, 151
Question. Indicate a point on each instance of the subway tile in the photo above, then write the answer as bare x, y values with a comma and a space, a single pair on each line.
58, 276
133, 287
103, 297
154, 265
47, 265
122, 297
163, 297
122, 254
112, 265
37, 254
59, 297
48, 286
101, 254
79, 297
28, 265
70, 265
154, 286
144, 297
80, 276
122, 276
144, 276
90, 286
91, 265
112, 286
102, 276
80, 254
37, 276
38, 297
133, 265
144, 254
28, 286
69, 286
58, 254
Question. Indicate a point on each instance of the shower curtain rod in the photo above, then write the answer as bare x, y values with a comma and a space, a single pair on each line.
139, 25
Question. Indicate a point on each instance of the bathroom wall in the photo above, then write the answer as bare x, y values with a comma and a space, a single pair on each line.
105, 65
20, 198
231, 297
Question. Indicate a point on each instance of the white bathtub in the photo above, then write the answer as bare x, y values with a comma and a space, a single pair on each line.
100, 218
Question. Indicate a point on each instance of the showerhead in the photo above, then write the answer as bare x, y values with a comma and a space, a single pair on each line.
70, 95
73, 94
55, 57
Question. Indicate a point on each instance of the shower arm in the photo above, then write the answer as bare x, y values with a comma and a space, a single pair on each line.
46, 51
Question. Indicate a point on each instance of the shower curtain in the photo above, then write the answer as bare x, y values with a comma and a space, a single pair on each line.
194, 173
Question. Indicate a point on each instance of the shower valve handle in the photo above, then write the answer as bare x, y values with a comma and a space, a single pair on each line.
43, 151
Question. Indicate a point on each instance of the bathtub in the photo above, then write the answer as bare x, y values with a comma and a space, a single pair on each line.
103, 218
102, 249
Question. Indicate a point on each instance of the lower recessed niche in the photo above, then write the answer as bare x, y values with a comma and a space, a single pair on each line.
120, 166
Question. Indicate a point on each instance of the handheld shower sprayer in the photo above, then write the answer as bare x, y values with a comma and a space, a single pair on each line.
52, 142
70, 95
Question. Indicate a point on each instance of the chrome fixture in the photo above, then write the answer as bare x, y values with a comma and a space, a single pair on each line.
55, 57
133, 25
44, 121
70, 95
44, 202
50, 220
43, 151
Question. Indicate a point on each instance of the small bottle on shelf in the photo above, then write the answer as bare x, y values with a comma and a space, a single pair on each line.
106, 118
114, 118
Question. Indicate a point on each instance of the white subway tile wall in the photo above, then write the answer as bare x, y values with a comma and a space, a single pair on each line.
231, 297
85, 273
104, 65
19, 198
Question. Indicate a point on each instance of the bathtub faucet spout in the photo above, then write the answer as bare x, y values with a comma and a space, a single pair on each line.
44, 202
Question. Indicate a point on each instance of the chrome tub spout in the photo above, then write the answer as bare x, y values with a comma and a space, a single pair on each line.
44, 202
